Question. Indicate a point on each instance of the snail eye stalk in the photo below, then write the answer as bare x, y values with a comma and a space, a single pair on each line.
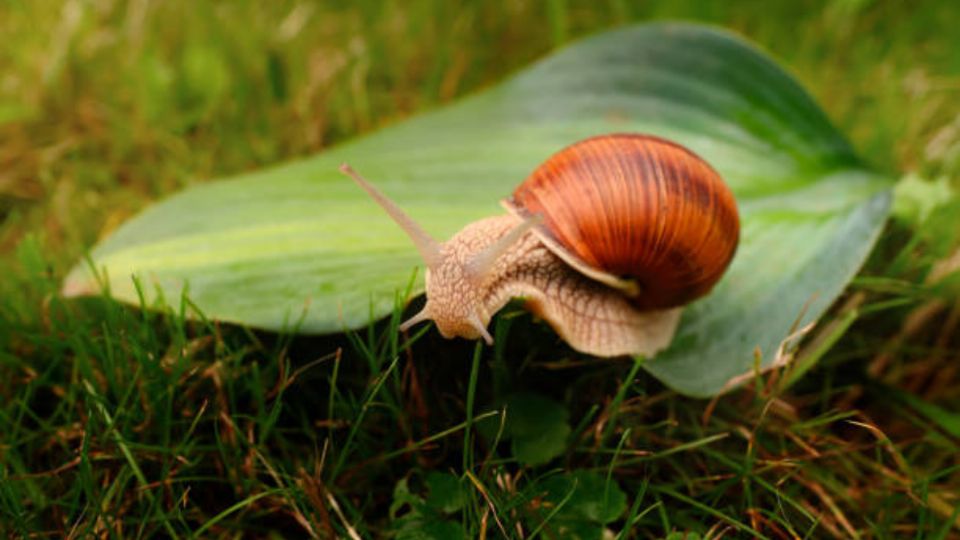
481, 329
480, 265
421, 316
428, 247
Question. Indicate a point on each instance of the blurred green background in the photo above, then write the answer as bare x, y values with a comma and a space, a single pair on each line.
108, 105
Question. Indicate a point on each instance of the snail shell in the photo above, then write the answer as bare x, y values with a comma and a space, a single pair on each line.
637, 212
605, 240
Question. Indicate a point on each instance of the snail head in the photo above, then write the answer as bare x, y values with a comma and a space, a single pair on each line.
458, 271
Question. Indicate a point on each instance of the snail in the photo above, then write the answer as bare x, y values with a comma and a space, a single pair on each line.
606, 241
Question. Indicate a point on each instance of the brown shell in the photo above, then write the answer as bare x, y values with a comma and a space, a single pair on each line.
640, 208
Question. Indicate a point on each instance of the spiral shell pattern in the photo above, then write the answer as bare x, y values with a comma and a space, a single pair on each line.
640, 208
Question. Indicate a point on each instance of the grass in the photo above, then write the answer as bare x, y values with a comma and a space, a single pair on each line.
118, 422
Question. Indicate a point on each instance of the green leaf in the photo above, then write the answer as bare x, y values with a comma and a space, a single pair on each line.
417, 528
265, 248
538, 426
444, 492
416, 519
403, 498
579, 504
594, 498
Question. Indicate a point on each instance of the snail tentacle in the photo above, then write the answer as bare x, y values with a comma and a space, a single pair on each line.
481, 264
428, 247
481, 328
422, 315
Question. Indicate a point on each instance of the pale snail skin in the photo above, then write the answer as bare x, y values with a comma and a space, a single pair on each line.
590, 316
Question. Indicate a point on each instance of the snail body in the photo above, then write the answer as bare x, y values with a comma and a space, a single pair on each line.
606, 240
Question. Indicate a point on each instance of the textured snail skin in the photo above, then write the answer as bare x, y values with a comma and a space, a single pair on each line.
639, 208
590, 316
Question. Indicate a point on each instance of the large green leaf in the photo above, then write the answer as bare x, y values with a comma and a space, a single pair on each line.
260, 248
